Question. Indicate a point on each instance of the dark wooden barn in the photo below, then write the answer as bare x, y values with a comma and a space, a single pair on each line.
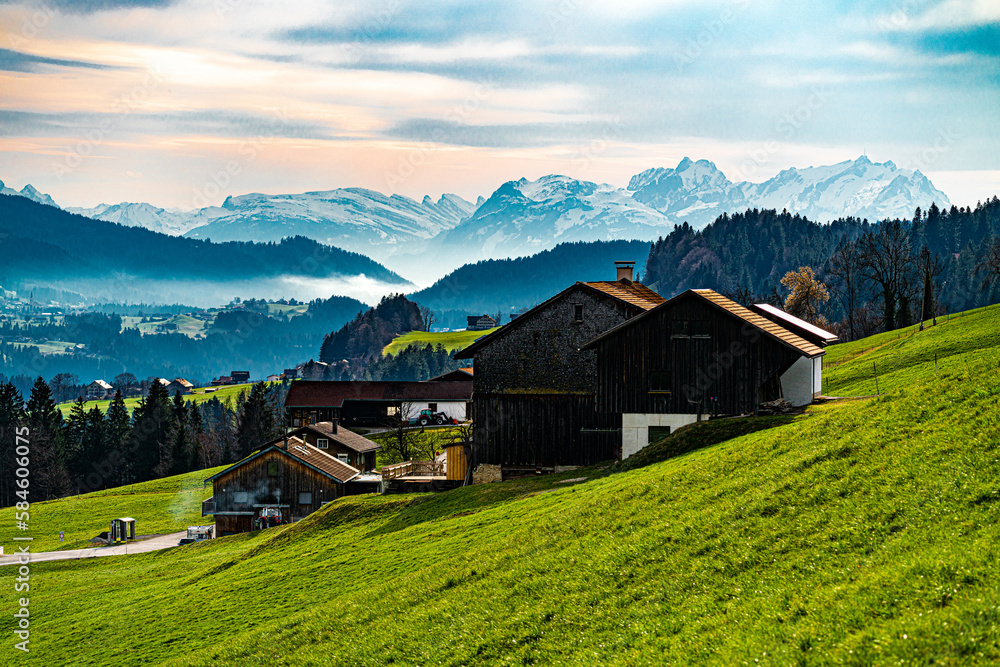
697, 355
534, 389
293, 477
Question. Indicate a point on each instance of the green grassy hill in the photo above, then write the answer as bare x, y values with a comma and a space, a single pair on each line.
451, 340
863, 532
161, 506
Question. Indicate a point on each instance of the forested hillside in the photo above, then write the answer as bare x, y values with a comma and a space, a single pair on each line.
746, 255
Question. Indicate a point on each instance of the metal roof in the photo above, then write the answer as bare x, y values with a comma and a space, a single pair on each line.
821, 334
345, 437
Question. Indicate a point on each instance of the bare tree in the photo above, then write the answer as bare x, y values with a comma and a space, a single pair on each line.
404, 441
427, 317
887, 261
845, 269
989, 263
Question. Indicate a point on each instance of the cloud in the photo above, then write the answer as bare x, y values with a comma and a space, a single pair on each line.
18, 61
92, 6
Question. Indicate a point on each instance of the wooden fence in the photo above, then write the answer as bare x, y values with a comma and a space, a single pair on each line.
413, 469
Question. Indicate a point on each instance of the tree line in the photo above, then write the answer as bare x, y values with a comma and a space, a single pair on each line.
88, 450
880, 276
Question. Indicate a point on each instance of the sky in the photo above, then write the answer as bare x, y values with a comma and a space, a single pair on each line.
180, 103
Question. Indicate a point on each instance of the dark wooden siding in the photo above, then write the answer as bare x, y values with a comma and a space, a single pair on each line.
719, 371
534, 389
278, 490
540, 431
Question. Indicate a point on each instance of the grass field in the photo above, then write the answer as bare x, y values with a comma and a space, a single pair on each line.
451, 340
199, 395
161, 506
863, 532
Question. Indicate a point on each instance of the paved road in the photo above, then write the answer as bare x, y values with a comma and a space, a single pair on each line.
152, 544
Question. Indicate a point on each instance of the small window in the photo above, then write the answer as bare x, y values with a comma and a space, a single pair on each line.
343, 458
240, 497
433, 407
578, 312
701, 329
306, 498
680, 329
391, 411
323, 443
661, 382
296, 422
655, 433
272, 468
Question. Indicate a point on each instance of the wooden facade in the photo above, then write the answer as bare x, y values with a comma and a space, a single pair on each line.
270, 478
533, 387
690, 356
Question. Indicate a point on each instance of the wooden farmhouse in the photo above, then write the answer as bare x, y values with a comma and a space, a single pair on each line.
534, 388
374, 403
343, 444
697, 355
290, 475
99, 389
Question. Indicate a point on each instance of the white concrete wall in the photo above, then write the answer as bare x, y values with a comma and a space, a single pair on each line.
817, 376
635, 428
797, 382
454, 409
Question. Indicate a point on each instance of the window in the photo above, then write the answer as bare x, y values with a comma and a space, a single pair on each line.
691, 329
322, 443
661, 382
306, 498
655, 433
240, 497
578, 312
343, 458
272, 468
433, 407
296, 422
391, 411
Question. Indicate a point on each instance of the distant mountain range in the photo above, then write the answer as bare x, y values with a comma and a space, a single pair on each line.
43, 245
524, 217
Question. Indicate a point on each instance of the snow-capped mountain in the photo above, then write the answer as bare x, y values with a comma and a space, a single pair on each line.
696, 192
859, 188
174, 222
523, 217
355, 219
30, 192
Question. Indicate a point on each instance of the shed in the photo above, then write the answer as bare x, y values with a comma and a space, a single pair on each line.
122, 529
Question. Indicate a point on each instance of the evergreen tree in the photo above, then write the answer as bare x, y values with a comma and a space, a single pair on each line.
49, 477
257, 421
149, 442
180, 454
11, 417
118, 426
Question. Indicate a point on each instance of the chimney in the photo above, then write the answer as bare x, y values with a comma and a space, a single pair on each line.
333, 426
624, 271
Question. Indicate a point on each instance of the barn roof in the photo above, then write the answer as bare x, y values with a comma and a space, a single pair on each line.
712, 297
810, 331
633, 294
328, 393
345, 437
457, 375
305, 454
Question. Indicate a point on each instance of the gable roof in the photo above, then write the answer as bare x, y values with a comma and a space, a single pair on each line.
304, 453
809, 331
101, 383
343, 436
332, 393
778, 333
457, 375
633, 294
